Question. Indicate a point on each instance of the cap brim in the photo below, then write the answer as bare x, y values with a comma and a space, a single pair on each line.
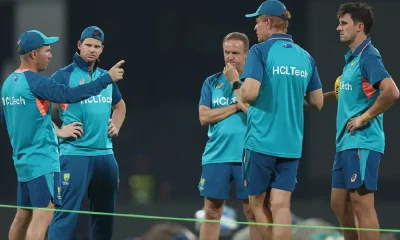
51, 40
251, 15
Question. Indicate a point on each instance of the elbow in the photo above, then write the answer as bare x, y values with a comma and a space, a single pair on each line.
318, 104
206, 120
203, 121
395, 94
248, 97
318, 107
204, 116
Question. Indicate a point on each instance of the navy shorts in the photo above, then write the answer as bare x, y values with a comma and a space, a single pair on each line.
262, 172
216, 180
39, 192
354, 167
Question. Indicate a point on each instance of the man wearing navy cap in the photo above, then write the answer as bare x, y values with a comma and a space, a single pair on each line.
88, 167
277, 75
26, 109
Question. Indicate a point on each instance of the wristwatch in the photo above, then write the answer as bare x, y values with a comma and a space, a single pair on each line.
236, 85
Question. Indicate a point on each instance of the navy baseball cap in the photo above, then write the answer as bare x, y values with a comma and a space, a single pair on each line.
270, 7
33, 39
93, 32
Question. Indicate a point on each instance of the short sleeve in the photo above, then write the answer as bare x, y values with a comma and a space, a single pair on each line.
206, 95
315, 81
254, 66
372, 69
116, 94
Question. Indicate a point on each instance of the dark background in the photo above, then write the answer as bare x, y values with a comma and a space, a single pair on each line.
170, 47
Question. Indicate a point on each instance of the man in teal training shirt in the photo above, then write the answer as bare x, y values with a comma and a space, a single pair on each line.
26, 106
89, 171
277, 75
366, 91
225, 116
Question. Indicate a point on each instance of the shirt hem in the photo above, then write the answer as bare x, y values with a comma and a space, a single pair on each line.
86, 153
36, 176
274, 154
358, 147
222, 161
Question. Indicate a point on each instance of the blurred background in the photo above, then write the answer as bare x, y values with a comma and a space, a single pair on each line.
170, 48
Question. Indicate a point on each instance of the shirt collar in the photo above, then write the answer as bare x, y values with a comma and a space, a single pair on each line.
82, 63
358, 50
280, 36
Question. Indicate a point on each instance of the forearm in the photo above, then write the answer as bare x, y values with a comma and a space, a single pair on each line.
243, 106
57, 129
212, 116
330, 96
118, 117
382, 103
